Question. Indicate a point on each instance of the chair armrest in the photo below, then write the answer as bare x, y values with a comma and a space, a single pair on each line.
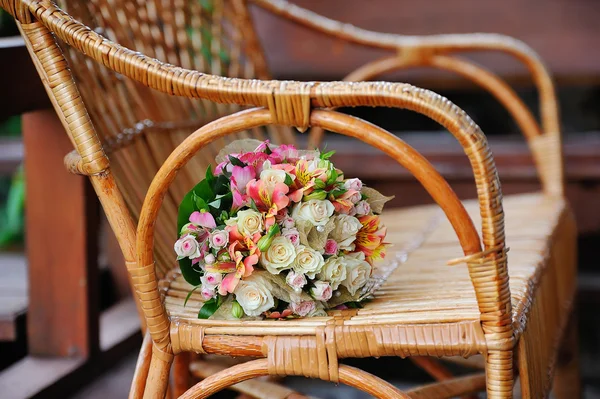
434, 51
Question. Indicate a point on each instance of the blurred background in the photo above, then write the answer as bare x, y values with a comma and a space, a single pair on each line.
565, 35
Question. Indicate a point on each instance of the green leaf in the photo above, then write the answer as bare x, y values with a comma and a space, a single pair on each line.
319, 184
236, 162
199, 202
215, 204
288, 180
190, 294
210, 177
327, 155
210, 307
191, 275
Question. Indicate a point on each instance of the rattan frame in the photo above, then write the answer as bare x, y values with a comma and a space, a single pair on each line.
293, 104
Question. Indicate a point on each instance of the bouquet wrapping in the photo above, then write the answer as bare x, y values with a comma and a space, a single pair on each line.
279, 233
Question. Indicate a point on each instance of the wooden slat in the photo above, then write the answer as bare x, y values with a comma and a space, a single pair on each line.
11, 155
33, 375
118, 324
564, 33
13, 293
61, 233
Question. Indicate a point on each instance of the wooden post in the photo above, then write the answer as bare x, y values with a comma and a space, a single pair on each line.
61, 239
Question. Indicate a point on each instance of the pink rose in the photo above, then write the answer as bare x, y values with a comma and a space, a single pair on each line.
287, 222
302, 308
218, 239
355, 197
209, 259
187, 247
353, 184
211, 280
296, 280
322, 291
293, 235
331, 247
362, 208
208, 293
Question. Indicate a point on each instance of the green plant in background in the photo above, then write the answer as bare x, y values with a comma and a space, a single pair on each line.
12, 212
12, 194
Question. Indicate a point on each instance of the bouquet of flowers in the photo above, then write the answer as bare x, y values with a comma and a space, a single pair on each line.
277, 232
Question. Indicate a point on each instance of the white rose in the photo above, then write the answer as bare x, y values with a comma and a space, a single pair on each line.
362, 208
345, 230
322, 291
249, 222
308, 261
187, 247
272, 176
317, 212
279, 256
296, 280
334, 271
358, 272
254, 295
353, 184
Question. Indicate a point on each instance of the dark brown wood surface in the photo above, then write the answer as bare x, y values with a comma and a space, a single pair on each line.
61, 226
565, 34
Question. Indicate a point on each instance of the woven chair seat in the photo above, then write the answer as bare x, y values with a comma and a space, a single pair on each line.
424, 301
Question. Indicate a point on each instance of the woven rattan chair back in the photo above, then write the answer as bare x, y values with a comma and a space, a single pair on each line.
139, 127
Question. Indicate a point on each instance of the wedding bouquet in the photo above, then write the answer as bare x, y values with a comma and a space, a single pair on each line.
277, 232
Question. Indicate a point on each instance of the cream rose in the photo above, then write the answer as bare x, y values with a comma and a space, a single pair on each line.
334, 271
249, 222
279, 256
358, 271
254, 295
187, 247
345, 230
308, 261
272, 176
317, 212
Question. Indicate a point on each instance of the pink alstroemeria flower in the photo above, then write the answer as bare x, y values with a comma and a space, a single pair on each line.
269, 198
240, 176
284, 152
203, 219
244, 266
343, 203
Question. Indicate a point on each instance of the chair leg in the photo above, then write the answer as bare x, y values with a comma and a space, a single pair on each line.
181, 378
499, 372
141, 369
567, 380
157, 382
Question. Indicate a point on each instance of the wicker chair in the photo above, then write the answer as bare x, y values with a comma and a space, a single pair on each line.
516, 324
